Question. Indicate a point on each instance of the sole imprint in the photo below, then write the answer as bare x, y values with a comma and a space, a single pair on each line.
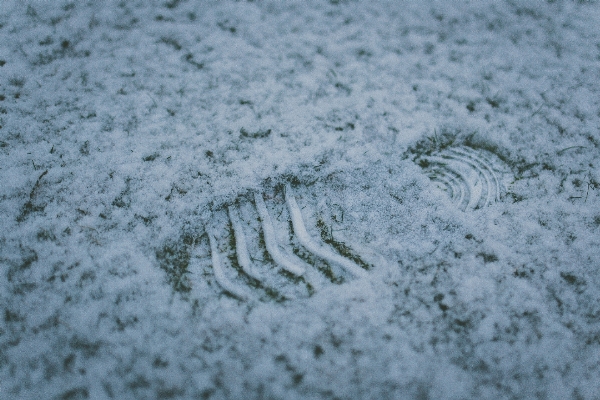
288, 241
261, 248
472, 178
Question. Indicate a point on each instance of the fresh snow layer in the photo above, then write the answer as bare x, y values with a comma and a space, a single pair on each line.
447, 151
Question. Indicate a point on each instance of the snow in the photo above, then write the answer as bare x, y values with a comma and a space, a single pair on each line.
127, 129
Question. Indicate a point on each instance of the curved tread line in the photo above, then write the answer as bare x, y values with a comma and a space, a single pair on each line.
222, 280
485, 164
458, 186
307, 241
486, 191
465, 200
271, 242
486, 156
492, 166
442, 179
436, 173
495, 168
450, 185
483, 171
241, 248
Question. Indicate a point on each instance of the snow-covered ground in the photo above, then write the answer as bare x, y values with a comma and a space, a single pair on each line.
443, 155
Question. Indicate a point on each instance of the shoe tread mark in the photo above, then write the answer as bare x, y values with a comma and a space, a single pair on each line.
482, 198
243, 257
446, 183
443, 167
265, 286
316, 260
257, 286
293, 276
324, 271
340, 246
471, 177
480, 162
496, 169
219, 273
270, 240
310, 244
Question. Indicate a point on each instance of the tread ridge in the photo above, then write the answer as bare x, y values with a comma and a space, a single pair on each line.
471, 177
294, 270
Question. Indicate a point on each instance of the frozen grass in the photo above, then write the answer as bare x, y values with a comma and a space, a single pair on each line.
126, 128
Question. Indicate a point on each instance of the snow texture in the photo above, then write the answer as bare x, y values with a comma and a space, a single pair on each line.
447, 151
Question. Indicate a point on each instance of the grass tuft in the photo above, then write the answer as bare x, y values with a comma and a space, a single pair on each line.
340, 247
174, 258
